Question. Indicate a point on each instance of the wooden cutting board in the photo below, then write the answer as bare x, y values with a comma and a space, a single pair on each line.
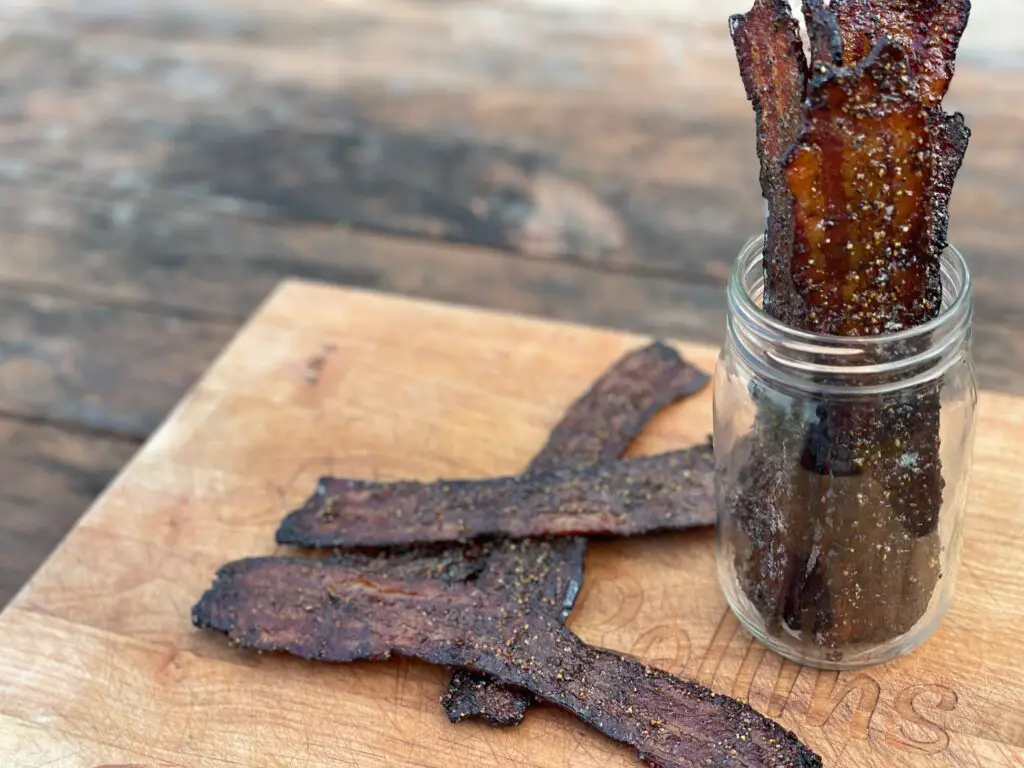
100, 666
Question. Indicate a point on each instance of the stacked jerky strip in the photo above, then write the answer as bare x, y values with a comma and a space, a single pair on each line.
628, 497
838, 524
543, 573
330, 612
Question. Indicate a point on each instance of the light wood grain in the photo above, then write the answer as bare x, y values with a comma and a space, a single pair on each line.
102, 666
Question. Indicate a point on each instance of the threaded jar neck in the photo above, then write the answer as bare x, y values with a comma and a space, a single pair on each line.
827, 364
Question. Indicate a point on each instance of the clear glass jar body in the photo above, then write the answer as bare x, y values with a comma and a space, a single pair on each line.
841, 475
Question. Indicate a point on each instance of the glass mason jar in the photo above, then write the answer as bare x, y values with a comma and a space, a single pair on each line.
841, 475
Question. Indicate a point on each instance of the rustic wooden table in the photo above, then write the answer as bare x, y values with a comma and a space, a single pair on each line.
165, 164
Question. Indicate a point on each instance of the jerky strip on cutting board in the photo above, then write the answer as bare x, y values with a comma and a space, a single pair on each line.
774, 73
628, 497
532, 571
548, 573
323, 611
599, 426
550, 576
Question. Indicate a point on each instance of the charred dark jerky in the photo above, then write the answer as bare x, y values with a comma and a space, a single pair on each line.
548, 573
532, 572
598, 426
514, 568
774, 73
623, 498
928, 31
950, 137
447, 562
823, 34
539, 574
326, 612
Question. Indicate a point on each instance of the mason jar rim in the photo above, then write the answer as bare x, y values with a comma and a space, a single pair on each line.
751, 255
873, 363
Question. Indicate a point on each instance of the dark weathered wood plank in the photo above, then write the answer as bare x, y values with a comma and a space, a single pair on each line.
185, 260
619, 139
50, 477
174, 257
108, 368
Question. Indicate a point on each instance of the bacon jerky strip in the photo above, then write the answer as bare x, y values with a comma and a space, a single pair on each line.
928, 31
326, 612
532, 572
485, 562
547, 574
903, 288
543, 574
599, 426
629, 497
774, 73
863, 260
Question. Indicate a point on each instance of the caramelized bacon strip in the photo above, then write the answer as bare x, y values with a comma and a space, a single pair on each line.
863, 259
326, 612
774, 73
870, 177
928, 31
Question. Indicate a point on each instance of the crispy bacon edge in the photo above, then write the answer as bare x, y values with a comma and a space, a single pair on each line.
774, 72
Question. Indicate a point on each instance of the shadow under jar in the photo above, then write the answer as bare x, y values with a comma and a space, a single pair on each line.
841, 475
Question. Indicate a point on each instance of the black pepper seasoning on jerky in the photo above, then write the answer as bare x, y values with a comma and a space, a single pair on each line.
870, 177
598, 427
326, 612
863, 260
554, 579
628, 497
548, 572
927, 31
602, 423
